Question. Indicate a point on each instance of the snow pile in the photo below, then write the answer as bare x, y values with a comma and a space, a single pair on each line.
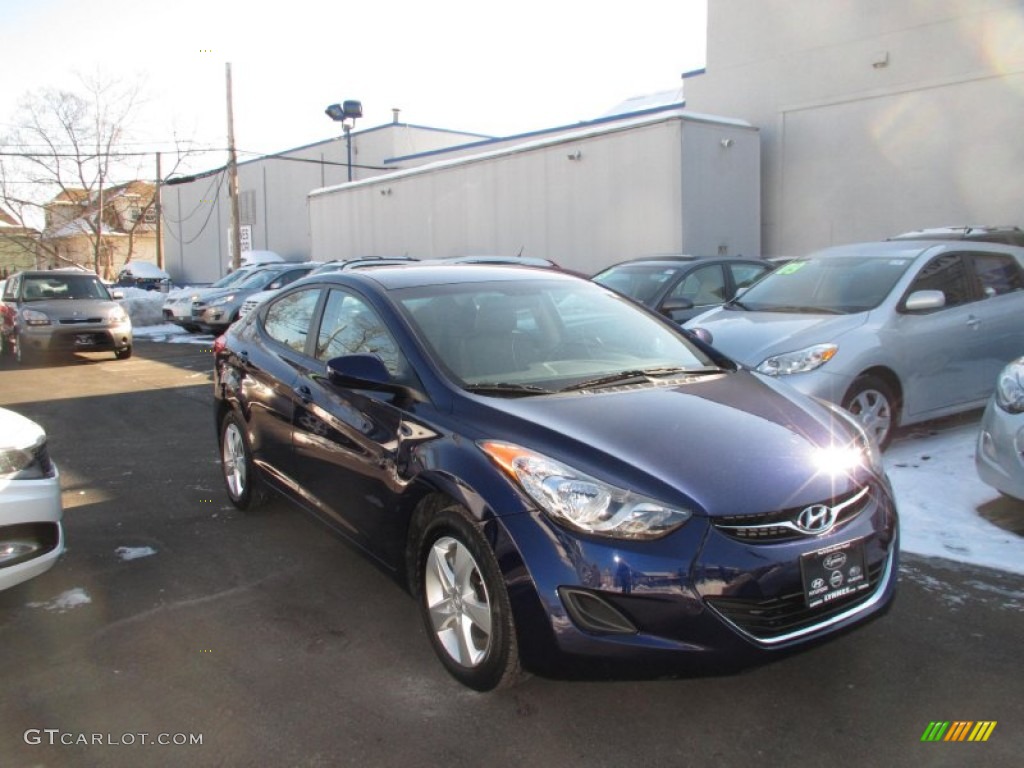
144, 269
143, 307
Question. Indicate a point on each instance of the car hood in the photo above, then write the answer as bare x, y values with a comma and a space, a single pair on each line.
80, 309
19, 433
730, 444
750, 337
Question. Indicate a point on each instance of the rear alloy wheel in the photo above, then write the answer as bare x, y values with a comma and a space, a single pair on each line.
464, 603
243, 486
873, 404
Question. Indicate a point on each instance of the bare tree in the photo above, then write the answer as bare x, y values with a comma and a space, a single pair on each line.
68, 152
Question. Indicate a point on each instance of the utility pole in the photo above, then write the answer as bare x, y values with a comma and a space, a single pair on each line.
236, 230
159, 216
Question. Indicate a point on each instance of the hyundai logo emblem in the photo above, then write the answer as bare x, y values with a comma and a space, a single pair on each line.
816, 518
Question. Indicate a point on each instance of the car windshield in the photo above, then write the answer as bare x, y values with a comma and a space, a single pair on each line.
57, 286
536, 336
641, 282
231, 278
825, 285
258, 279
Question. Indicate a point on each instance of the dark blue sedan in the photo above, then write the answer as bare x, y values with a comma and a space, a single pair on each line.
563, 479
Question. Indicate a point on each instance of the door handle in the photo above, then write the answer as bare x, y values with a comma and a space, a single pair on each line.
305, 394
973, 322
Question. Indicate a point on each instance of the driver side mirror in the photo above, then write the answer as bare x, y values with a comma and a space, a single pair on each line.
924, 301
362, 371
675, 305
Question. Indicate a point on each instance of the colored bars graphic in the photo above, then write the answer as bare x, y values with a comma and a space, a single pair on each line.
959, 730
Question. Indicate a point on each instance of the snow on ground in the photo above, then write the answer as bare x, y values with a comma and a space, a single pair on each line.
945, 509
143, 307
65, 601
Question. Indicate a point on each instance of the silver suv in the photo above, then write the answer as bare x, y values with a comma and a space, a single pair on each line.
62, 312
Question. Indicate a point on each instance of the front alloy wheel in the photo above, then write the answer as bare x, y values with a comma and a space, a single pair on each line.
872, 403
465, 606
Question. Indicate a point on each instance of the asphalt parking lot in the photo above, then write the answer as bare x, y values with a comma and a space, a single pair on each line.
175, 618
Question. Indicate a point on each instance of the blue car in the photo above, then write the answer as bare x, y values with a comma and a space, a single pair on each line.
564, 480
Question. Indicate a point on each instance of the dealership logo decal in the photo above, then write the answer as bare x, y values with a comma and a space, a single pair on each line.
816, 519
959, 730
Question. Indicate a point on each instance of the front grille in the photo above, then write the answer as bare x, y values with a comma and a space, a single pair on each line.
780, 525
80, 320
778, 616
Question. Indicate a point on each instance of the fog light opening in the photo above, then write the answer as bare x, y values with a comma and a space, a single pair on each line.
593, 614
15, 551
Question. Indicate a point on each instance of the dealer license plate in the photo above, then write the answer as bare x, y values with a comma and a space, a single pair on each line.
834, 572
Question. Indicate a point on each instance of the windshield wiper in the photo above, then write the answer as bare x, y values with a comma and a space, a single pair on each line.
638, 377
736, 303
804, 310
506, 389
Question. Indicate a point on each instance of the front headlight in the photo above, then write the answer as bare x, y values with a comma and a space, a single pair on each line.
862, 452
801, 361
222, 300
1010, 387
34, 317
117, 316
582, 502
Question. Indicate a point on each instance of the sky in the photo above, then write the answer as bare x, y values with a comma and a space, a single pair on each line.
489, 68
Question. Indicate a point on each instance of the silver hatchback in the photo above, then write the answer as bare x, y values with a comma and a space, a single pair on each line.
897, 332
62, 312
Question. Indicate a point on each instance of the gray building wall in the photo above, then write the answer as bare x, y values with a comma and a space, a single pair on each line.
876, 117
272, 197
669, 182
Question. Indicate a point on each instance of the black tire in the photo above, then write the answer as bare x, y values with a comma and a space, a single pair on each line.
464, 603
245, 490
123, 354
872, 402
22, 354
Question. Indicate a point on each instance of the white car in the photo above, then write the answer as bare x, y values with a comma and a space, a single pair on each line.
31, 534
1000, 453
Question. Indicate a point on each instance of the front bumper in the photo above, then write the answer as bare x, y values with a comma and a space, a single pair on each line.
214, 319
701, 595
78, 337
31, 534
999, 457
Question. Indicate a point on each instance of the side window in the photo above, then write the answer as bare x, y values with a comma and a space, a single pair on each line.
287, 277
350, 326
745, 274
997, 273
288, 318
946, 273
703, 286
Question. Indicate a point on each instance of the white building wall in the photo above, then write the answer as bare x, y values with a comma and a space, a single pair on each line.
272, 196
877, 116
585, 199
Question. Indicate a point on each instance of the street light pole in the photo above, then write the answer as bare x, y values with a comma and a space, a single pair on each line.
346, 114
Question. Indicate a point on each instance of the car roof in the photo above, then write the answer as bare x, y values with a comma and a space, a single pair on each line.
397, 276
993, 234
682, 261
51, 272
910, 249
